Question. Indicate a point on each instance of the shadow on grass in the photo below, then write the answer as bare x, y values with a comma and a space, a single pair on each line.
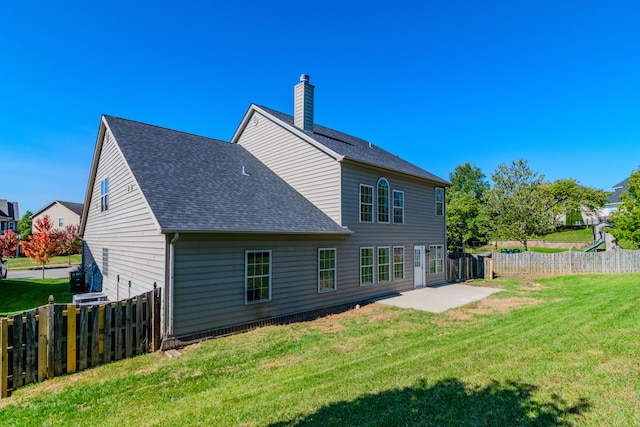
448, 403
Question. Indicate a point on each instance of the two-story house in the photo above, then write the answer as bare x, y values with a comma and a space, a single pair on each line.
288, 218
9, 216
61, 213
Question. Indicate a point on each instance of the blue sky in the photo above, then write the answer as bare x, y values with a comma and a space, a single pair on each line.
439, 83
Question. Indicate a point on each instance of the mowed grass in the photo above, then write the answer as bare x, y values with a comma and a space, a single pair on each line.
26, 262
17, 296
573, 236
557, 351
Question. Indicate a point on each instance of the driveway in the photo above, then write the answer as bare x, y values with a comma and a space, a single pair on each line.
49, 273
438, 299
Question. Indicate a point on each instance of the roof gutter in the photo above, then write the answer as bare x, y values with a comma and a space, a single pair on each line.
345, 232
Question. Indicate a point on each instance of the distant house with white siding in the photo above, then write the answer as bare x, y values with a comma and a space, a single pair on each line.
61, 214
9, 216
289, 217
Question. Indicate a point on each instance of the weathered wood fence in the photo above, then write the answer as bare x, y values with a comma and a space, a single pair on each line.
463, 266
617, 261
58, 339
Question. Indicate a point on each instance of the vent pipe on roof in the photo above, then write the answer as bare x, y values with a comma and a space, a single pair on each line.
303, 104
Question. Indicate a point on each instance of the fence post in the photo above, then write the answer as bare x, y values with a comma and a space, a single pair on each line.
43, 331
71, 339
155, 317
4, 358
51, 354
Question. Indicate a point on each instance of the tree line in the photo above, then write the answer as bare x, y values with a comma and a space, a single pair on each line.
521, 204
43, 243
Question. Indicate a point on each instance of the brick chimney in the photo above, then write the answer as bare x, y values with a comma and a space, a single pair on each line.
303, 104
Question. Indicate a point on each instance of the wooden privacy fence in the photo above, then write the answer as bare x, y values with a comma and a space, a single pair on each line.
463, 266
616, 261
58, 339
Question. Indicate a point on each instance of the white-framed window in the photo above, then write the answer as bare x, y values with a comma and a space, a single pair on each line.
105, 261
436, 259
398, 207
366, 266
384, 260
383, 200
257, 276
60, 222
366, 203
104, 194
398, 262
326, 269
439, 201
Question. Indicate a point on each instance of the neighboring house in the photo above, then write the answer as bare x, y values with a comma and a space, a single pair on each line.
61, 214
615, 199
290, 217
9, 216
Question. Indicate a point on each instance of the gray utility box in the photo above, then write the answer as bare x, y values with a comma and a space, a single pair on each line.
90, 298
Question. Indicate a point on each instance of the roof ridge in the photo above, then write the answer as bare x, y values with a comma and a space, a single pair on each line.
163, 128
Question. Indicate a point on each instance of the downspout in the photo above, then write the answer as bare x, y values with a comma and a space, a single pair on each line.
172, 251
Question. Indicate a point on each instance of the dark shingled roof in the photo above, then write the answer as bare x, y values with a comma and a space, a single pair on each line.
76, 208
617, 191
9, 210
357, 149
194, 183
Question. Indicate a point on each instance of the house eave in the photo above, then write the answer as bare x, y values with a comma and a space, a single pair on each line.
346, 232
438, 180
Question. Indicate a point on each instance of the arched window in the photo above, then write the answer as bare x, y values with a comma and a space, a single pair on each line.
383, 200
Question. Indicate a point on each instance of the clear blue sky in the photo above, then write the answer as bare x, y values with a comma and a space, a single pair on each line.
439, 83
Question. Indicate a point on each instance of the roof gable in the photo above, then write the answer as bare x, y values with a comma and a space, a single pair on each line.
76, 208
199, 184
347, 147
616, 196
9, 210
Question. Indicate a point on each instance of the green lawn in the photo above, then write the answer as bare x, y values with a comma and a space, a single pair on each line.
573, 236
25, 262
21, 295
547, 250
556, 352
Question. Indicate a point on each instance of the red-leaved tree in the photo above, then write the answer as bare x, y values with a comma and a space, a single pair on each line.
42, 244
69, 242
8, 243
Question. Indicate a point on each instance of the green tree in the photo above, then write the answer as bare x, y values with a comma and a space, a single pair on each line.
515, 207
565, 196
464, 200
24, 225
627, 217
469, 179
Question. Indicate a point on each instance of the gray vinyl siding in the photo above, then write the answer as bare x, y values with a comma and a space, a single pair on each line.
421, 225
311, 172
127, 229
209, 290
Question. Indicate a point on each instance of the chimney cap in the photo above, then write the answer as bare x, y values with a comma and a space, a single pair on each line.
304, 78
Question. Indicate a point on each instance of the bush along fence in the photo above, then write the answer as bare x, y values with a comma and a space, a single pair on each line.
58, 339
616, 261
